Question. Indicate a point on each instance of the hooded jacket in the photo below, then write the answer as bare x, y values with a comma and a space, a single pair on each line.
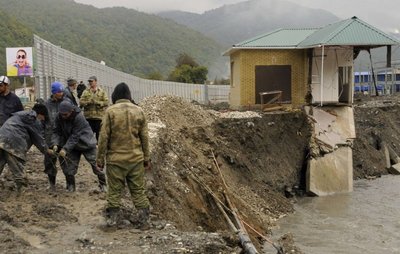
124, 136
20, 131
73, 133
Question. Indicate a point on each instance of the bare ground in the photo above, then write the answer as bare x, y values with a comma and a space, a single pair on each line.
199, 156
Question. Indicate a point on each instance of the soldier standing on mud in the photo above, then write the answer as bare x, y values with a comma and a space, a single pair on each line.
124, 146
72, 137
17, 135
94, 102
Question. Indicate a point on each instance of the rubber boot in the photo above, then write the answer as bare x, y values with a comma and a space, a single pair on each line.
70, 183
112, 216
52, 182
102, 183
144, 214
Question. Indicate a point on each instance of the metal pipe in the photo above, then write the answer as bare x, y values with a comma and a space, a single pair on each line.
322, 74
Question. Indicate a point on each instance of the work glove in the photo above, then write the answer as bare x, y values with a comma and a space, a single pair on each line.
55, 149
50, 152
62, 153
99, 169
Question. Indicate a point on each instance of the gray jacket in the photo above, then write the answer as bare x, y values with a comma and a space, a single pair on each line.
20, 131
73, 133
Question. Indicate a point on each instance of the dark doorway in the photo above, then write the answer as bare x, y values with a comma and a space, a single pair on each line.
274, 77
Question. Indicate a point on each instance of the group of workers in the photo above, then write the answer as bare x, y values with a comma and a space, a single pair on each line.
73, 122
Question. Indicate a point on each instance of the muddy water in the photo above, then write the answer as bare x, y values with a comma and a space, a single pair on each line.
365, 221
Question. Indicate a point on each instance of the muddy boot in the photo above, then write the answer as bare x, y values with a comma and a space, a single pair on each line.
144, 214
70, 183
52, 182
102, 183
112, 216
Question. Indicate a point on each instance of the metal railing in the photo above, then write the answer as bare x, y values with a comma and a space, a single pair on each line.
56, 64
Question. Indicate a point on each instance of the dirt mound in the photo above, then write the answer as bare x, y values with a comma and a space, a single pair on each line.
377, 121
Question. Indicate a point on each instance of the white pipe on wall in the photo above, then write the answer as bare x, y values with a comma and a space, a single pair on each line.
322, 74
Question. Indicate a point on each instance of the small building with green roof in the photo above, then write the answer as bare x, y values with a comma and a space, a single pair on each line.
309, 65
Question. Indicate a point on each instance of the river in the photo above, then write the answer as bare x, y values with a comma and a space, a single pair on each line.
364, 221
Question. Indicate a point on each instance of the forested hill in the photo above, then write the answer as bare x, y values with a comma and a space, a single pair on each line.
234, 23
14, 33
128, 40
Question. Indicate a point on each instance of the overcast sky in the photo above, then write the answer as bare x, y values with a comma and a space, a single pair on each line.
384, 14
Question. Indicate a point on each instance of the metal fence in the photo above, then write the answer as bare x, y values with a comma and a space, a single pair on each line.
56, 64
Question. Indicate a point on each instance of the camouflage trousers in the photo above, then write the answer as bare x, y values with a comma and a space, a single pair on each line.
133, 176
16, 166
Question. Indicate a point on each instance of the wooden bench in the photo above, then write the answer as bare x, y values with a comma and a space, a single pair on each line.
275, 96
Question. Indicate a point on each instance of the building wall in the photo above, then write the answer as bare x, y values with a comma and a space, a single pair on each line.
249, 59
234, 95
333, 58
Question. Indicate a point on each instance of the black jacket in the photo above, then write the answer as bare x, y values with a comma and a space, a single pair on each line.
73, 133
9, 104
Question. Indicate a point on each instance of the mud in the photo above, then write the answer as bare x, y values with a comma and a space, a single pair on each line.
199, 156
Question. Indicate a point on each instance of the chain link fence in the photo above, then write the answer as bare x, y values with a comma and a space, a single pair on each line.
54, 63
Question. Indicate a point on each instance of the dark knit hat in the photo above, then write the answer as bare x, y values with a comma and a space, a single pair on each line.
41, 109
65, 107
121, 91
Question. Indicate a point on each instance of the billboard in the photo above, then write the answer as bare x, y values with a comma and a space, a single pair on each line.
19, 61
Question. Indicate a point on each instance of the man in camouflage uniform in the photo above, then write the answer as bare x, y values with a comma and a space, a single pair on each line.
17, 135
73, 137
124, 147
94, 102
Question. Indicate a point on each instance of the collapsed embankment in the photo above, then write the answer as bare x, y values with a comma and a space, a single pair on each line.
197, 154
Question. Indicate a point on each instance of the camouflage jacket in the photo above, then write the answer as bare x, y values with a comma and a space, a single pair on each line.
124, 136
19, 132
94, 103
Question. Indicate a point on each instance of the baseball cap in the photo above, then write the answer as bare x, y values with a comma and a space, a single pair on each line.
5, 80
92, 78
71, 81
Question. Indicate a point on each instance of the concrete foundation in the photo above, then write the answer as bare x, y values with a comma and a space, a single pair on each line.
331, 174
331, 171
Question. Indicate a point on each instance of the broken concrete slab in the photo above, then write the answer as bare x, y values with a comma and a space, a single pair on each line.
344, 122
387, 155
395, 169
331, 174
333, 125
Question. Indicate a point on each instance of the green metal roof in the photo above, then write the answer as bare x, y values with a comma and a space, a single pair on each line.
354, 32
279, 38
349, 32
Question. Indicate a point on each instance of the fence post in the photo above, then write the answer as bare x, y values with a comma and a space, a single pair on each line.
206, 95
